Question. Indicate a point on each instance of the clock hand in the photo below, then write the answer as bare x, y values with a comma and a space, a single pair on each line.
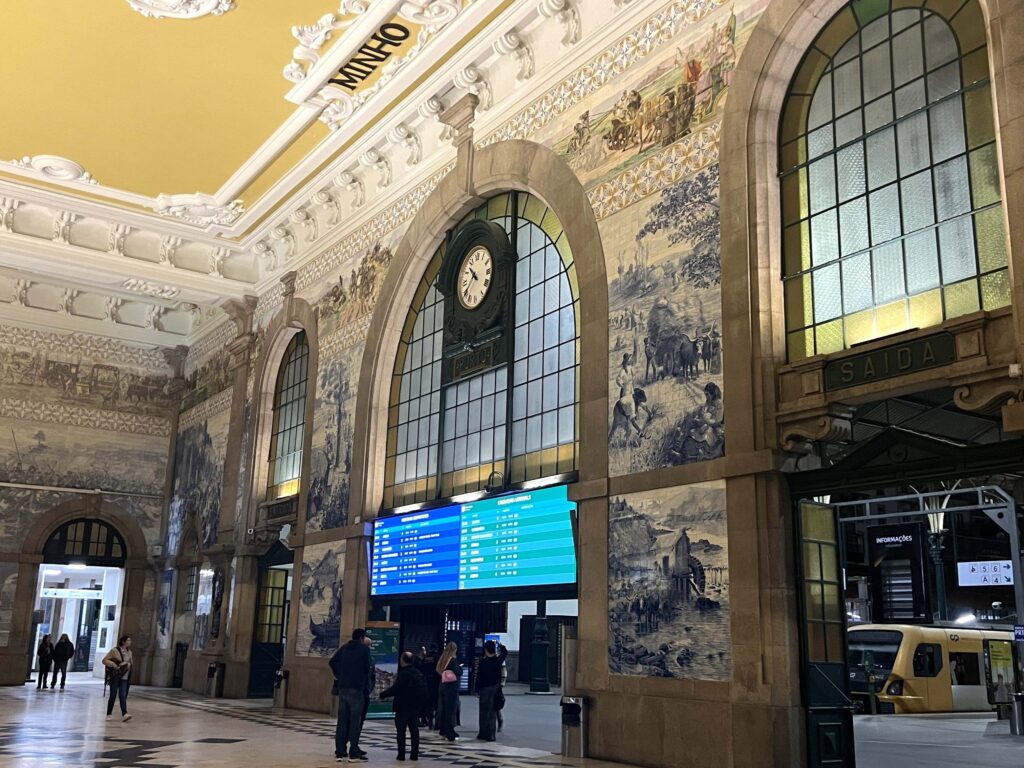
473, 273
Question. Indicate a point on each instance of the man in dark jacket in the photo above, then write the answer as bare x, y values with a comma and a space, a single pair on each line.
410, 693
63, 652
351, 665
488, 683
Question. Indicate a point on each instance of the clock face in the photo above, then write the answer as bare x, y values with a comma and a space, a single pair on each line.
475, 277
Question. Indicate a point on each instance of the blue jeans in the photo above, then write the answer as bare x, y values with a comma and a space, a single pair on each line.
350, 722
118, 690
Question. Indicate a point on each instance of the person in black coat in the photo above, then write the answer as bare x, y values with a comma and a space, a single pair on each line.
44, 654
352, 667
427, 664
63, 652
488, 685
410, 693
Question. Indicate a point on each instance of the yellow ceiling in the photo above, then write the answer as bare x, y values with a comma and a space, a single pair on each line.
150, 106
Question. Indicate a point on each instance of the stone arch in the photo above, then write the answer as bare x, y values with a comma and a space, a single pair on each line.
521, 165
136, 615
294, 316
751, 249
94, 508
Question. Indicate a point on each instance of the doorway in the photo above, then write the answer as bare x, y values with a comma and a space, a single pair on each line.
79, 591
272, 607
909, 584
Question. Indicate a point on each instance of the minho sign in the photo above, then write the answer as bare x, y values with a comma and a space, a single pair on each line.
917, 355
370, 56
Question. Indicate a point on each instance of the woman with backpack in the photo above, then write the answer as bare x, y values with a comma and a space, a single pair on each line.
118, 662
450, 669
44, 654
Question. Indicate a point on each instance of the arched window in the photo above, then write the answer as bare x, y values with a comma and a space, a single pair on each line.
91, 542
519, 420
891, 209
289, 425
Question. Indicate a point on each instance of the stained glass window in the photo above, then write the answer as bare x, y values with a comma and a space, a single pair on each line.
892, 213
289, 426
516, 422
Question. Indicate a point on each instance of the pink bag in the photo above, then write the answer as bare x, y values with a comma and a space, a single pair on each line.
448, 676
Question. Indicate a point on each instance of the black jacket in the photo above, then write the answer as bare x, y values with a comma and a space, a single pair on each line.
489, 671
63, 651
409, 691
352, 666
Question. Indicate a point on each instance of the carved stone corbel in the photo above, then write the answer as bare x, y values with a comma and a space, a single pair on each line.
284, 236
325, 200
374, 159
471, 79
513, 44
833, 425
565, 13
988, 396
301, 218
403, 135
353, 184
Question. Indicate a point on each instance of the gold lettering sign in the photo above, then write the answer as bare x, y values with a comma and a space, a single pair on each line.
887, 362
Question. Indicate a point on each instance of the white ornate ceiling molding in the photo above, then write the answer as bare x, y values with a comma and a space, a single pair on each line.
513, 44
472, 80
198, 209
54, 168
563, 11
156, 290
180, 9
405, 136
313, 37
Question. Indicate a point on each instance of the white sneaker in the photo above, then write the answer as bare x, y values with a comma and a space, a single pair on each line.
126, 718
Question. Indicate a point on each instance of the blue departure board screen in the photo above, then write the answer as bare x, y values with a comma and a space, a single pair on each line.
521, 539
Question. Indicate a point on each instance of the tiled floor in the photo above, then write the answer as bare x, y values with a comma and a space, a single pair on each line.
171, 729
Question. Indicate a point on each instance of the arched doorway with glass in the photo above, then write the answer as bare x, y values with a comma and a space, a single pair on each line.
79, 591
482, 442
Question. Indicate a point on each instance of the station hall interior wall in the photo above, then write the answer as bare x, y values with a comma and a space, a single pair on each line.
684, 228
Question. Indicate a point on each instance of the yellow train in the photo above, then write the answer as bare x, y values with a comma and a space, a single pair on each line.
910, 669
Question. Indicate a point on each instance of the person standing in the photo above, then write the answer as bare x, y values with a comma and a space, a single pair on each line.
450, 670
428, 668
63, 652
504, 678
410, 693
44, 655
371, 681
488, 685
352, 666
118, 662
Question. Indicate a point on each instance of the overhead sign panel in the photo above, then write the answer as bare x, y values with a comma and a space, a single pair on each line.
72, 594
985, 573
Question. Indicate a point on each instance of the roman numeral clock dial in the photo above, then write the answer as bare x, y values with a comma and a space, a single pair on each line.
475, 275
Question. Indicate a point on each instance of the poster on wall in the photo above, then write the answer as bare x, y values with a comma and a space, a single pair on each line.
164, 612
320, 590
668, 583
384, 649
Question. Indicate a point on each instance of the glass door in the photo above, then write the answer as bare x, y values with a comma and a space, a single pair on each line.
823, 632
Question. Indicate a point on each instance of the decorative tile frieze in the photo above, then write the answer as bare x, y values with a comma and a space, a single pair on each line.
84, 345
641, 41
205, 409
211, 343
345, 337
79, 416
684, 158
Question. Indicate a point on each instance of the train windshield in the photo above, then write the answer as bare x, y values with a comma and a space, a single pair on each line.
873, 649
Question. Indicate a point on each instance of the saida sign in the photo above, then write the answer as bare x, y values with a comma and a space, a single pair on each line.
887, 362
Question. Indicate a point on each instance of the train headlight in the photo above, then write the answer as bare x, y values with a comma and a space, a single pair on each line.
895, 688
